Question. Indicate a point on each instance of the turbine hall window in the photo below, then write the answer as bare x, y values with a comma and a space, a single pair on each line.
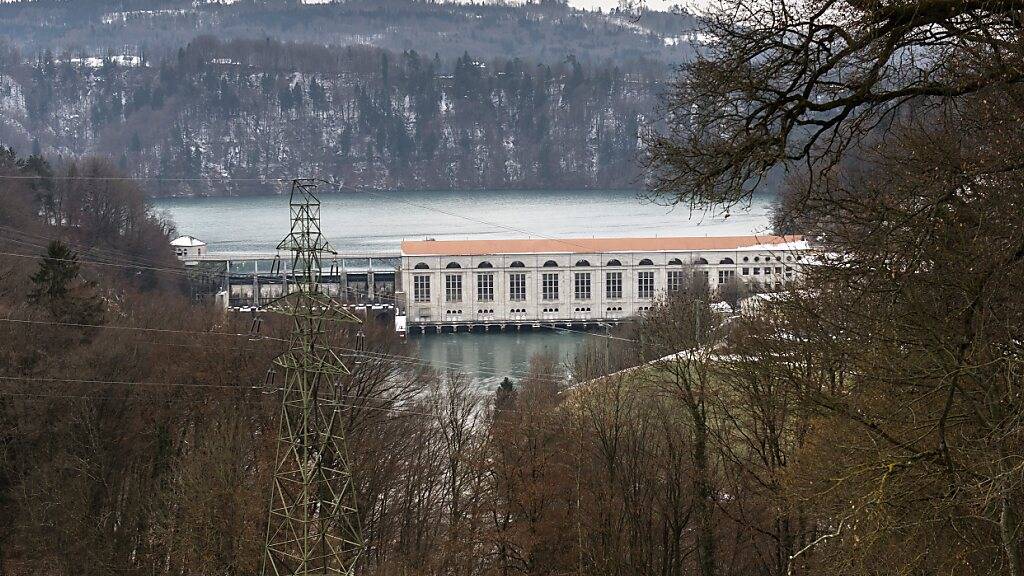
453, 287
421, 288
517, 287
645, 284
581, 285
613, 285
675, 280
549, 286
485, 287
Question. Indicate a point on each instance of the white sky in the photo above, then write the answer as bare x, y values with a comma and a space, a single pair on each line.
588, 4
651, 4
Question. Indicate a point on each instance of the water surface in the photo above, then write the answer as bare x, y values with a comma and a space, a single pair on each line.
378, 223
489, 358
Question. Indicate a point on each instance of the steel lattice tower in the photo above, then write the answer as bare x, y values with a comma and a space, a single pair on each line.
313, 525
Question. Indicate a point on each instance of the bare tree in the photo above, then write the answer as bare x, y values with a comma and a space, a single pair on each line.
677, 339
785, 82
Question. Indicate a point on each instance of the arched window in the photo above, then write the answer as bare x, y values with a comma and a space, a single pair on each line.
675, 262
484, 264
517, 264
453, 265
614, 262
421, 266
646, 262
583, 263
700, 261
550, 264
726, 261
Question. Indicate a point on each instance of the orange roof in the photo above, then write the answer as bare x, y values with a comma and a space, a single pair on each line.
586, 245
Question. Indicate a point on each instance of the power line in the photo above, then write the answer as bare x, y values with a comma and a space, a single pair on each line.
346, 288
96, 397
140, 329
80, 249
130, 384
142, 178
342, 188
126, 382
338, 186
592, 334
179, 272
109, 253
150, 384
195, 346
80, 261
256, 337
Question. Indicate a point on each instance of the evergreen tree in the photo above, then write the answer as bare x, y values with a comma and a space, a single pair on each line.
505, 395
56, 271
58, 287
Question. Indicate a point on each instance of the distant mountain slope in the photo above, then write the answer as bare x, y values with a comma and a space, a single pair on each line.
264, 109
546, 32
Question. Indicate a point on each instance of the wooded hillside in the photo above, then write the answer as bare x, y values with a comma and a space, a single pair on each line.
365, 116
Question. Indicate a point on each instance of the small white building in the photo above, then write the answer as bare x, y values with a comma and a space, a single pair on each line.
586, 280
186, 247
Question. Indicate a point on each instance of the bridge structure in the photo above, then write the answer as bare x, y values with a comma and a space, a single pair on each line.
249, 280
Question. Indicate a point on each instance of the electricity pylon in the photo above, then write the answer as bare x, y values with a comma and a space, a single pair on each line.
313, 525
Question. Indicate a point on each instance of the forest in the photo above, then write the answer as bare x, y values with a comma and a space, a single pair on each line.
214, 114
866, 421
137, 428
546, 31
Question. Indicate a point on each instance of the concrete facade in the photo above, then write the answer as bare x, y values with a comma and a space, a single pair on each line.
505, 283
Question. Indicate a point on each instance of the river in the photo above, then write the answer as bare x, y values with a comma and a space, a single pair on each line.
377, 223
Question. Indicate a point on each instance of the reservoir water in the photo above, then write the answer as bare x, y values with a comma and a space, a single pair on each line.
377, 223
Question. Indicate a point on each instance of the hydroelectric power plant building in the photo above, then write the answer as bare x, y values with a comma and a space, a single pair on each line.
538, 282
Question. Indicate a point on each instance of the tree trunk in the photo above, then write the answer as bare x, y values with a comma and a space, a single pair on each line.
703, 507
1009, 530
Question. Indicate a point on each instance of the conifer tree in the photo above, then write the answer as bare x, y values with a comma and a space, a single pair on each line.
58, 287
